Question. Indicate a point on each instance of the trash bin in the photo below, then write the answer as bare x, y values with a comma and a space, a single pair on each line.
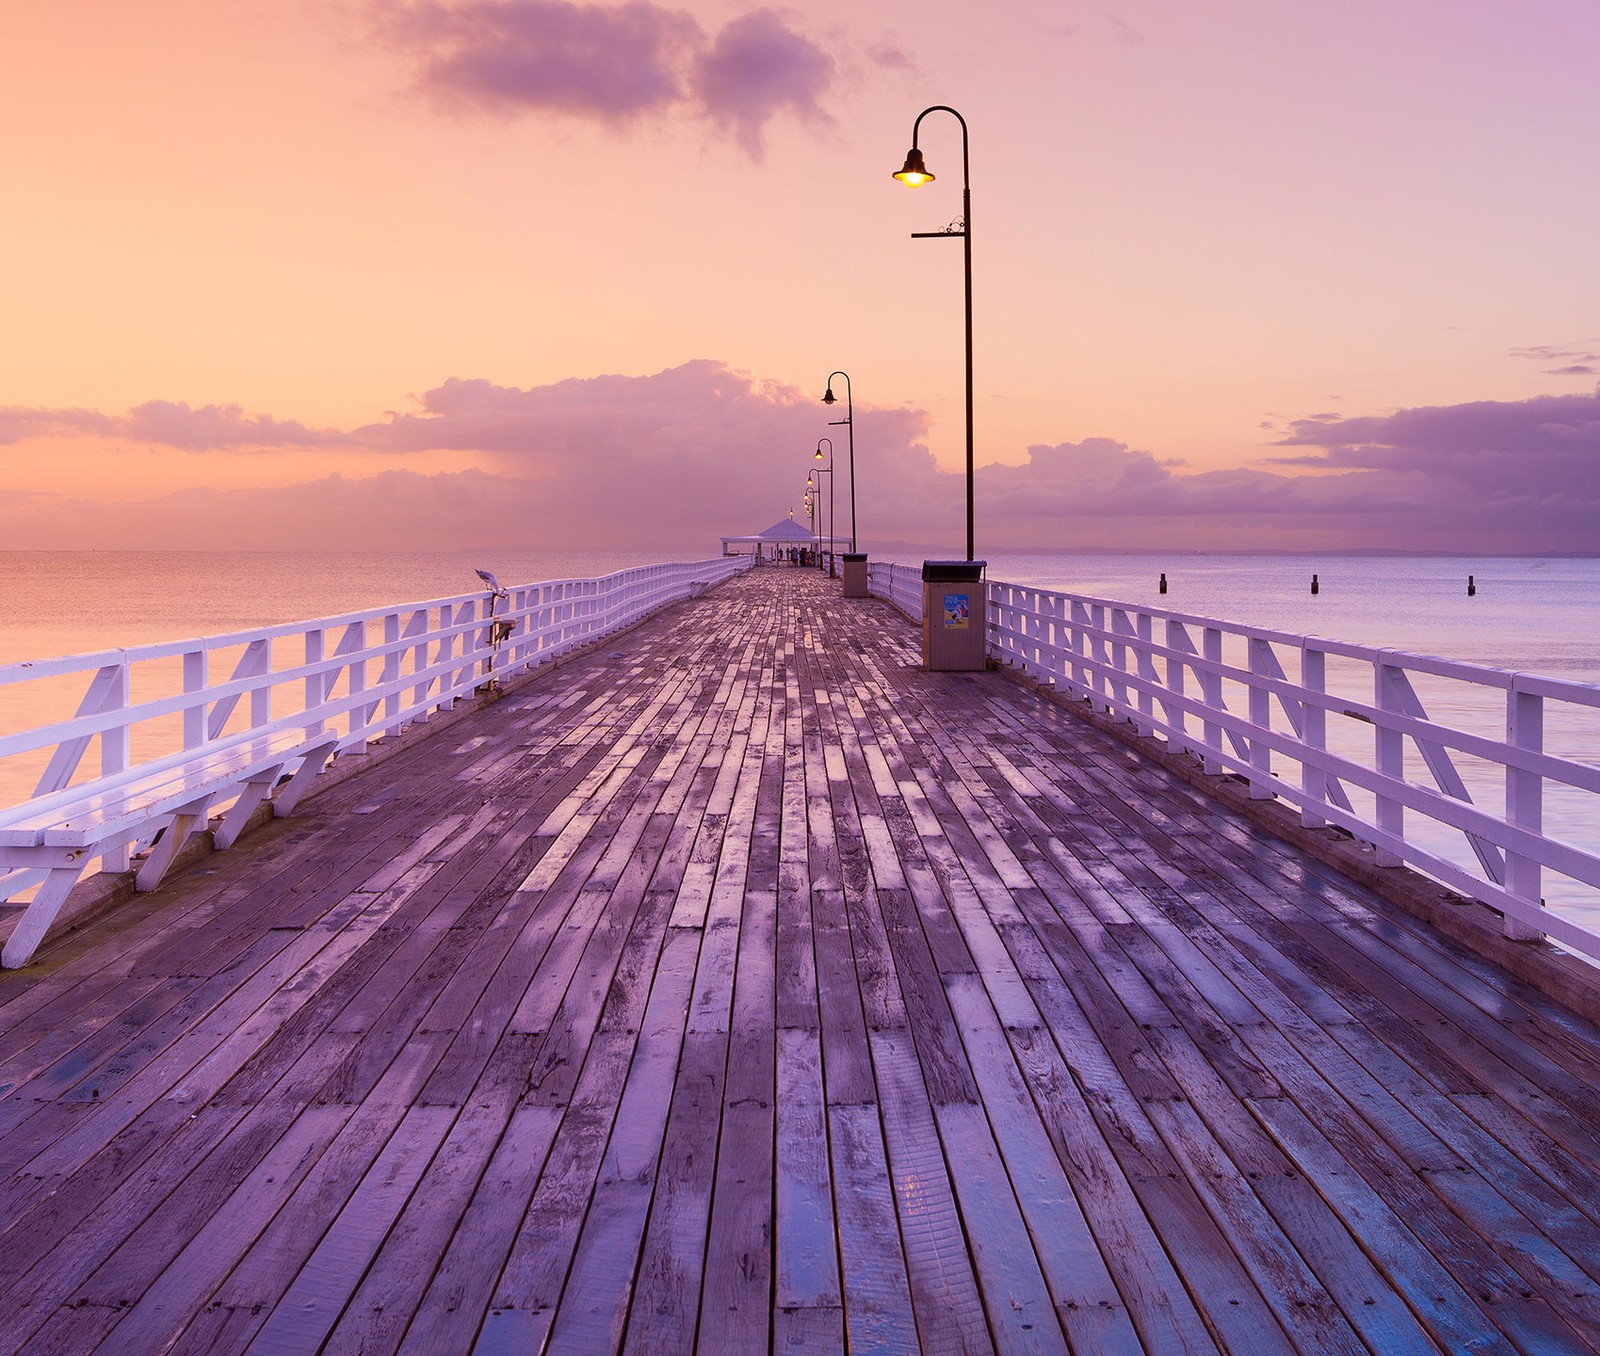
954, 624
855, 574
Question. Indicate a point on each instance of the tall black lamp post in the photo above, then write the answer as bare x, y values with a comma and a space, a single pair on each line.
832, 521
850, 424
915, 173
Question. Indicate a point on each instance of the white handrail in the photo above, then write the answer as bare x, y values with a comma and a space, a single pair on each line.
1378, 742
1483, 778
900, 584
363, 675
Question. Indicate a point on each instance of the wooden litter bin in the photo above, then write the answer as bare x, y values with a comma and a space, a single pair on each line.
954, 618
855, 574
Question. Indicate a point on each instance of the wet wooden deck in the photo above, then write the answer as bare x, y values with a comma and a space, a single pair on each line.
740, 987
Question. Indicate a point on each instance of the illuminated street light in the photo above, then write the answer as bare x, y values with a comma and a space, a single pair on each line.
915, 173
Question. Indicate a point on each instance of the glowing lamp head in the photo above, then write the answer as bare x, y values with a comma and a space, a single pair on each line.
914, 172
817, 455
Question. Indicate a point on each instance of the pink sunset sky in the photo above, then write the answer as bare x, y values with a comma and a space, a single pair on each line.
525, 273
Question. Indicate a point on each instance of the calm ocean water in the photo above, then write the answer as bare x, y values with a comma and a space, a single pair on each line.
69, 602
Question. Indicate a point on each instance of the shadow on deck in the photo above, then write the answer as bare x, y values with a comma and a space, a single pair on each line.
739, 986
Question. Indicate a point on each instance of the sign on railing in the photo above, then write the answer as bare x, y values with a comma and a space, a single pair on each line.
101, 753
1484, 779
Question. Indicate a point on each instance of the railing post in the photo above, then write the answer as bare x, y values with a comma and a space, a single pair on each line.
1211, 693
390, 676
116, 751
1389, 760
356, 679
1260, 705
1097, 648
1145, 665
261, 694
1119, 659
1054, 637
1524, 806
314, 691
1077, 643
1177, 717
1313, 733
463, 684
194, 714
417, 628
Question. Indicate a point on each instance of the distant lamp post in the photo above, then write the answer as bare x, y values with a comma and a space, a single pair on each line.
915, 173
832, 524
811, 508
848, 421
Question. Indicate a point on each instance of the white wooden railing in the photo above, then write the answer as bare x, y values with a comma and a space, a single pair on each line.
1485, 779
200, 718
900, 584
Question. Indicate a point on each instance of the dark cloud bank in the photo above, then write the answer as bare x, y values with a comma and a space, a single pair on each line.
677, 458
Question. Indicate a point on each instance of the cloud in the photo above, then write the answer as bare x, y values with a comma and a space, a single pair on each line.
888, 54
612, 63
1099, 480
18, 423
1444, 438
1550, 353
168, 424
1527, 468
216, 427
513, 56
756, 67
676, 458
1576, 361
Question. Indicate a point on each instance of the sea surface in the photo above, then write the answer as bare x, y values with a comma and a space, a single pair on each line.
75, 602
1537, 615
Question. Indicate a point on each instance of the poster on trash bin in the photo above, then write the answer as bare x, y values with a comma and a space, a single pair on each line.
956, 609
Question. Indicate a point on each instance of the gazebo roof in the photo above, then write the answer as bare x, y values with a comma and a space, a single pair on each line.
786, 529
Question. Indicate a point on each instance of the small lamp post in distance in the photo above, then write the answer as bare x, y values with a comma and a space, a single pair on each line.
828, 398
832, 521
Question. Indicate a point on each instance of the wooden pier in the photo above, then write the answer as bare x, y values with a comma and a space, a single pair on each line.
737, 986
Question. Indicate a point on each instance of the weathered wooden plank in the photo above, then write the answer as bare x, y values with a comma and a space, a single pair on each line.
1448, 1311
391, 1291
877, 1295
945, 1294
807, 1269
302, 1319
599, 1287
530, 1284
1087, 1303
666, 1300
458, 1294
